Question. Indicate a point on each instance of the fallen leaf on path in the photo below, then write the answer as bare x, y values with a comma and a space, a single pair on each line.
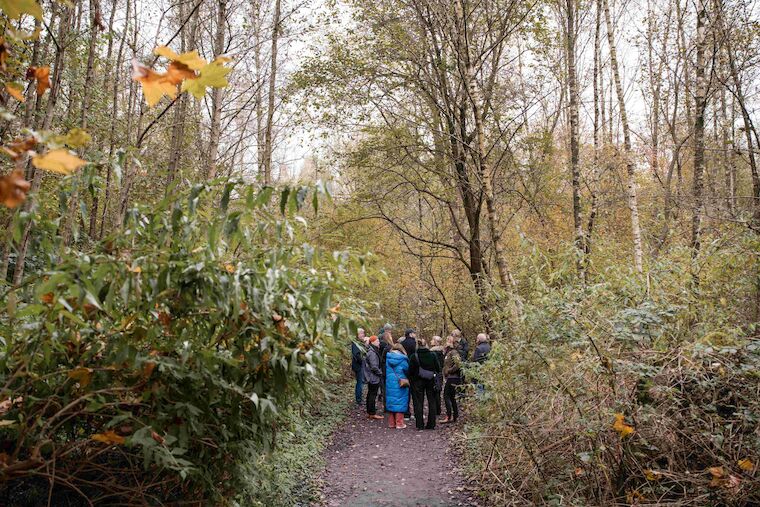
621, 427
109, 437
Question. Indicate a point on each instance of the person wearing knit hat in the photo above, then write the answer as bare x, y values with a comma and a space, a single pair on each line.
372, 376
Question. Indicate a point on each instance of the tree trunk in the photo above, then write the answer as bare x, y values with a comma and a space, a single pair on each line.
633, 202
598, 101
480, 156
63, 29
700, 105
267, 176
575, 175
114, 118
216, 94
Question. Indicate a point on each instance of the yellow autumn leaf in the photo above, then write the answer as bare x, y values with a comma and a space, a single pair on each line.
229, 268
335, 309
652, 475
81, 375
109, 437
77, 138
621, 427
746, 464
191, 58
213, 75
15, 91
15, 8
58, 161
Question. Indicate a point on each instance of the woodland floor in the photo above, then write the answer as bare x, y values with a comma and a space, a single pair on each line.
369, 464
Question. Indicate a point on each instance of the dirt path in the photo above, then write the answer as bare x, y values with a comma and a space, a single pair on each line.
369, 464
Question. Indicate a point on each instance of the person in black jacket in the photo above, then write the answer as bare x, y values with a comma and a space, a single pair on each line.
423, 366
409, 342
482, 349
462, 345
436, 347
358, 350
372, 376
386, 344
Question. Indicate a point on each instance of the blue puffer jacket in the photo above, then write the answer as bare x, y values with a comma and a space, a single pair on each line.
396, 397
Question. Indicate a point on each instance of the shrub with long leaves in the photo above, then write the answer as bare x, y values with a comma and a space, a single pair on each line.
145, 367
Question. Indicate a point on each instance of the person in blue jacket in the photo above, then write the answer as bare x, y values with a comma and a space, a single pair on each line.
396, 386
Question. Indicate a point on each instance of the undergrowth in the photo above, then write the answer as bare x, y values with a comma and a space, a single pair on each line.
287, 476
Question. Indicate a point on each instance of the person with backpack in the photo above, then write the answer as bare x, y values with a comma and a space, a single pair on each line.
452, 373
423, 368
372, 376
396, 386
358, 351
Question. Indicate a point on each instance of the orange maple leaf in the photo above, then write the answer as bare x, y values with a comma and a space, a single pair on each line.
15, 91
155, 85
42, 75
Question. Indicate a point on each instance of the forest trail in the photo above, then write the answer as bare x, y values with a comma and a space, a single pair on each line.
369, 464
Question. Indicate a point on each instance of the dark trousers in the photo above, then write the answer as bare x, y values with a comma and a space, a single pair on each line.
420, 390
372, 398
382, 391
359, 386
409, 402
450, 397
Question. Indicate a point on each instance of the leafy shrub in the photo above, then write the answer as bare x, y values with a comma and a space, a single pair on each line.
629, 390
150, 366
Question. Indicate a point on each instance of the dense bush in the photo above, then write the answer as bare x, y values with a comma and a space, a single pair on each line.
627, 390
149, 367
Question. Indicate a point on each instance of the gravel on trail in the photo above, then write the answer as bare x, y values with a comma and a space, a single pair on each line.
369, 464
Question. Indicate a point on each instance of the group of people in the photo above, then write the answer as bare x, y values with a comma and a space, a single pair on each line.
407, 373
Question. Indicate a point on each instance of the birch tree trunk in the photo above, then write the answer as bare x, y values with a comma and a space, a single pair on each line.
700, 105
598, 102
633, 202
216, 95
572, 85
267, 157
481, 157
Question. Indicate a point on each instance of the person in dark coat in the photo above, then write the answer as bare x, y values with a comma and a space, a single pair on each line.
358, 351
409, 342
372, 376
482, 349
462, 346
423, 365
436, 347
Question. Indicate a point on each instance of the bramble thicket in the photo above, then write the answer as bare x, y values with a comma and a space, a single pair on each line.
203, 200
